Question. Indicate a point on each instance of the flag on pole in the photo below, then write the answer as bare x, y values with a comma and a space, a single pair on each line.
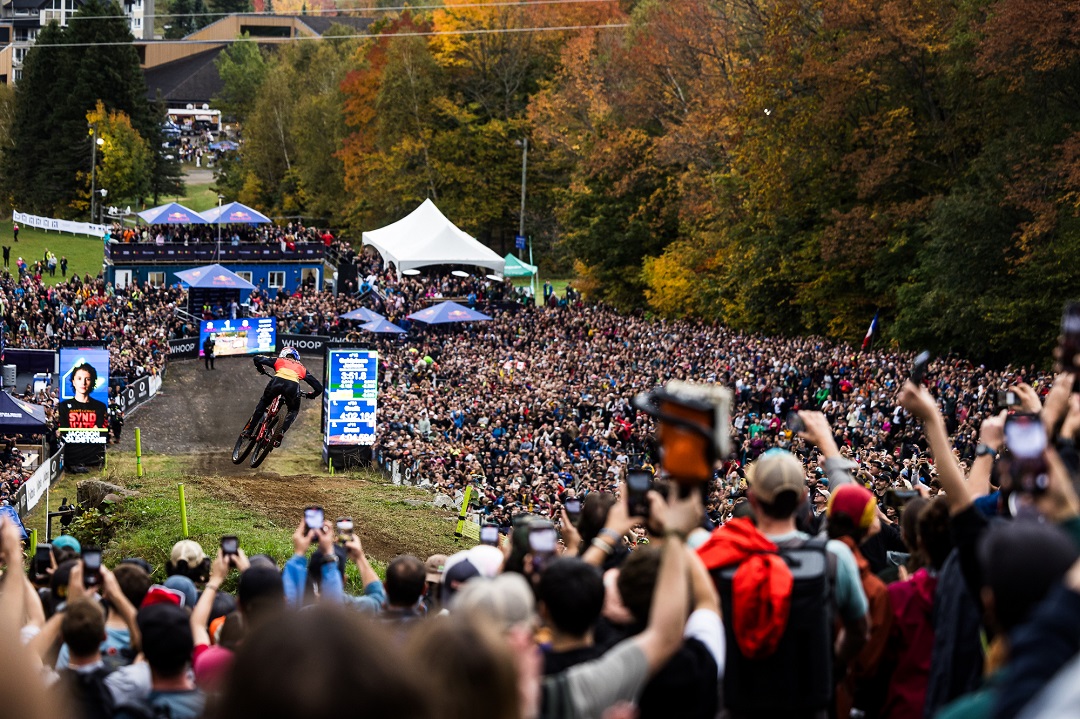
870, 332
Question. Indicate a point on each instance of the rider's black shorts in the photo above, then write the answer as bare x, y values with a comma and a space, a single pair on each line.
288, 389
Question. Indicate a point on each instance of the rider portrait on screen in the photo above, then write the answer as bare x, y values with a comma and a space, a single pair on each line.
83, 411
288, 373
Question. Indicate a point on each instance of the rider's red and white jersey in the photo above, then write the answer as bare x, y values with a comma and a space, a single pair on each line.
289, 369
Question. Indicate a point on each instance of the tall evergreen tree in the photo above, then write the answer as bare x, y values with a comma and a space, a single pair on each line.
49, 146
64, 76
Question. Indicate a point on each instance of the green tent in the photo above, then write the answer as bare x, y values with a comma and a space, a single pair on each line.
517, 268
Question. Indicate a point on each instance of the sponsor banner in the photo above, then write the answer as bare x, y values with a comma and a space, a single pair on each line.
304, 344
136, 393
49, 223
183, 348
34, 488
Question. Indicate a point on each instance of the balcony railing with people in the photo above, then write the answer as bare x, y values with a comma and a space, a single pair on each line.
149, 252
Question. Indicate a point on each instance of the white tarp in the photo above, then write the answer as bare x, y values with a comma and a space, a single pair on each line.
425, 237
49, 223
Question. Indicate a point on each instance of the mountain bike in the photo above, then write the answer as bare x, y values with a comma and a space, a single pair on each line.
262, 439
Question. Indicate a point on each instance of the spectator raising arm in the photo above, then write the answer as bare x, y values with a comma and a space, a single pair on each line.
200, 614
917, 400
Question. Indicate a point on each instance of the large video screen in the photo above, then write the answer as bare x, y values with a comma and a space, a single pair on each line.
83, 414
248, 336
352, 388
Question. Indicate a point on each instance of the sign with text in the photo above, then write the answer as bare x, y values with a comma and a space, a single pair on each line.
83, 413
247, 336
352, 388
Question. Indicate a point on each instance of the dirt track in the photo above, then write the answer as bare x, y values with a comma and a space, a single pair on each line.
197, 416
199, 410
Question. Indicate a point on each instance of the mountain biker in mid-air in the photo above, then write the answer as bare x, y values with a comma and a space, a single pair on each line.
288, 372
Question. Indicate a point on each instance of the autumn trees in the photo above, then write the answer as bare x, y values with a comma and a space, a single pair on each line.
778, 165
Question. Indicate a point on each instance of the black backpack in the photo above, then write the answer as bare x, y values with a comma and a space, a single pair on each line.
87, 690
797, 679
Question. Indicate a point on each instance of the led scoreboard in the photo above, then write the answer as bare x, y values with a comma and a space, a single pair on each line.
351, 389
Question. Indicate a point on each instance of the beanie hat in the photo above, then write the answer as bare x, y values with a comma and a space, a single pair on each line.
855, 502
66, 541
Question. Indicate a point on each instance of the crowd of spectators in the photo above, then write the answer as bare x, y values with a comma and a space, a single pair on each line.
606, 611
288, 236
926, 516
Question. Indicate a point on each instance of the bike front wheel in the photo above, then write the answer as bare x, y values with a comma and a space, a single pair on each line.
242, 448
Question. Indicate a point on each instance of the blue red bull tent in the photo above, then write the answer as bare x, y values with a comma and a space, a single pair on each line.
213, 285
447, 312
18, 417
235, 213
363, 314
172, 214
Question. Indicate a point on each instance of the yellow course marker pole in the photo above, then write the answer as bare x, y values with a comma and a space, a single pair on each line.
464, 508
138, 453
183, 509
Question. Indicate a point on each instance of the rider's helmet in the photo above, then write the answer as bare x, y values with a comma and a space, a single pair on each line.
290, 353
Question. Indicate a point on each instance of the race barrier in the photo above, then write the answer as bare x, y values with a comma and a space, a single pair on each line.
138, 392
49, 224
31, 491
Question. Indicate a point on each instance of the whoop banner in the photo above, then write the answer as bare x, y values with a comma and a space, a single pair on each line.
183, 348
83, 413
304, 344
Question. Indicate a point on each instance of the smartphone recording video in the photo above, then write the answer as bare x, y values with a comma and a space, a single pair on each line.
1007, 398
638, 484
230, 544
91, 559
42, 561
794, 422
918, 368
543, 540
489, 535
573, 509
314, 518
344, 527
1026, 440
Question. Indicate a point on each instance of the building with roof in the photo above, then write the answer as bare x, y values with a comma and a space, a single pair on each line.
181, 73
22, 20
185, 73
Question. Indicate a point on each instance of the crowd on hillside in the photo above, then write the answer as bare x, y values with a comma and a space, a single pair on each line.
613, 609
867, 546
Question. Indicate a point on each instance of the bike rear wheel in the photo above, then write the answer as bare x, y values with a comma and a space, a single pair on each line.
265, 444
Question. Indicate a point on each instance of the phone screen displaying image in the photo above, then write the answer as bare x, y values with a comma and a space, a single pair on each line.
313, 517
489, 534
543, 540
1025, 436
230, 545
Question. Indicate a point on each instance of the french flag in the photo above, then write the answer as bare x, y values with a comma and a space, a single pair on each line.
870, 332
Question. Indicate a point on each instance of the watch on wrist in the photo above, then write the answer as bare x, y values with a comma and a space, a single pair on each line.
982, 449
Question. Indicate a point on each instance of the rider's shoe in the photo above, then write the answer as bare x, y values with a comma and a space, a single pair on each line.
277, 438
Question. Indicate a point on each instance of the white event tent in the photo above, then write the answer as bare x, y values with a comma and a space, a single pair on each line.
425, 237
